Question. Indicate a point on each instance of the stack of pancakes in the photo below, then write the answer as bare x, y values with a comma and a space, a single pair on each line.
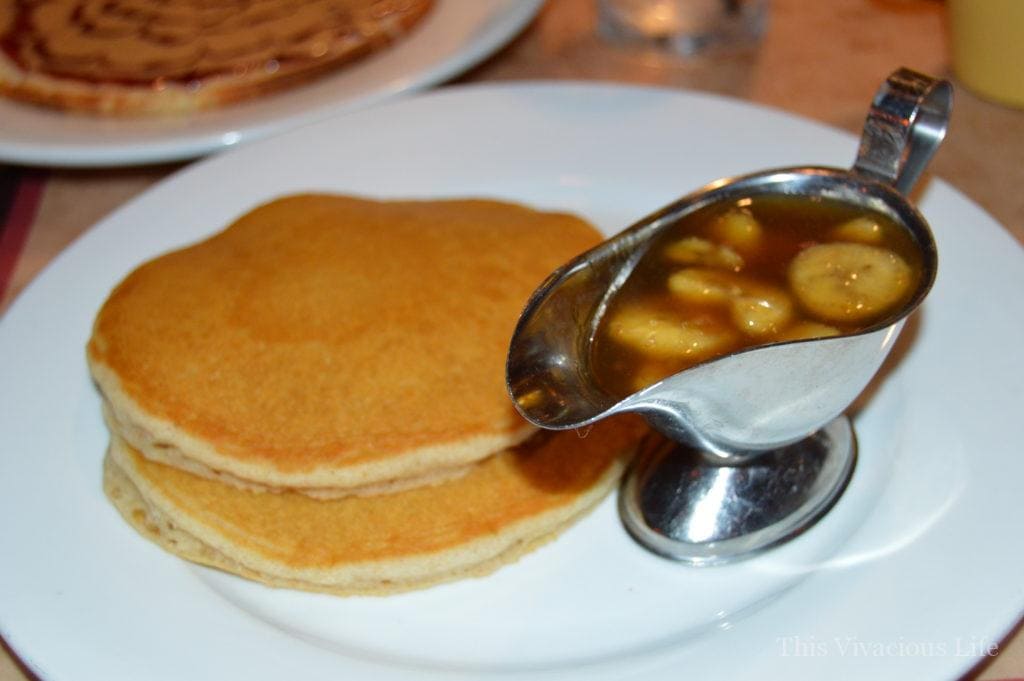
315, 396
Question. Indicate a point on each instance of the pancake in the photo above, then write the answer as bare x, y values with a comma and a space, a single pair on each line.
502, 508
160, 57
329, 344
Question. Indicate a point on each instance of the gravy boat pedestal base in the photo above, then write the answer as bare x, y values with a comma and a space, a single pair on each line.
689, 505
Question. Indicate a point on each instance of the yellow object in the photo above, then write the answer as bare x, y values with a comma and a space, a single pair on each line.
988, 47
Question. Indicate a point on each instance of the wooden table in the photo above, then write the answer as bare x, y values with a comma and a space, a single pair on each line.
822, 60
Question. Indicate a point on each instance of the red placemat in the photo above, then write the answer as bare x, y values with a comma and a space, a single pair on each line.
20, 194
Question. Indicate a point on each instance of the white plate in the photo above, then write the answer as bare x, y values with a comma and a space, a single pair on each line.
454, 36
912, 575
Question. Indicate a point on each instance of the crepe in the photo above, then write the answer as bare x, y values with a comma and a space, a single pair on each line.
132, 57
502, 508
329, 344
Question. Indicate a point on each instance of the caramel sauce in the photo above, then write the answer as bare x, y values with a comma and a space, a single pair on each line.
630, 350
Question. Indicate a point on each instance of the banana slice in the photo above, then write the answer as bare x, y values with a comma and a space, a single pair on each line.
663, 336
757, 309
761, 311
704, 286
805, 330
846, 282
693, 250
739, 229
862, 230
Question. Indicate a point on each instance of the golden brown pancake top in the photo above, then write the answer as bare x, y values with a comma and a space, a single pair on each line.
545, 473
319, 331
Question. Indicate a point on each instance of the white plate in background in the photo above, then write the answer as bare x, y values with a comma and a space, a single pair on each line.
454, 35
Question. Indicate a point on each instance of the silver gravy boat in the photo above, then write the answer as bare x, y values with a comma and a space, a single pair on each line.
754, 446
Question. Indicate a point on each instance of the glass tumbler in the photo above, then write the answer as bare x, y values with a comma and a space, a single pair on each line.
686, 27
